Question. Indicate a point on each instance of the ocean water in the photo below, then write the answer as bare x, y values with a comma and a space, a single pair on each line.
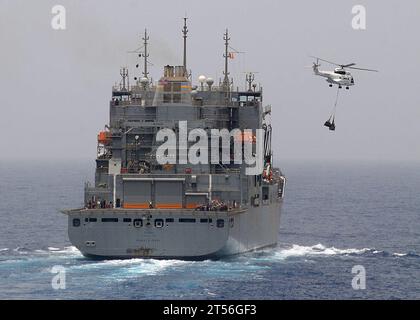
335, 216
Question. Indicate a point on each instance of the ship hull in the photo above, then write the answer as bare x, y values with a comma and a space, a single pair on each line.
173, 234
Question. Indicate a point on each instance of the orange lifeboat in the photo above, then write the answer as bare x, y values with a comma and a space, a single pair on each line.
104, 137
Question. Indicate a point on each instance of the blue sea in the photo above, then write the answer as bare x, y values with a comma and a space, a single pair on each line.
335, 216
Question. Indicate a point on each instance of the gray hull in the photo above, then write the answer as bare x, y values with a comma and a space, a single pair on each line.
192, 237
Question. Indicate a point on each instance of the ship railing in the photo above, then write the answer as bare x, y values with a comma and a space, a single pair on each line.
205, 102
105, 156
132, 101
140, 118
221, 169
121, 210
96, 190
222, 103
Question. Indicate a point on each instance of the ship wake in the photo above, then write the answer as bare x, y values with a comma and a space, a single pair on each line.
295, 250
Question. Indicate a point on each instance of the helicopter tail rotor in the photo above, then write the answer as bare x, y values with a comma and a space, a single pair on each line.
315, 66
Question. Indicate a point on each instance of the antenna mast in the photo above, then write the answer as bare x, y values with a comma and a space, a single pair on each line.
124, 81
226, 82
145, 55
250, 77
185, 32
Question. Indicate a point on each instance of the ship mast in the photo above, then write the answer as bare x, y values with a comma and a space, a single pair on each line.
185, 32
226, 84
145, 55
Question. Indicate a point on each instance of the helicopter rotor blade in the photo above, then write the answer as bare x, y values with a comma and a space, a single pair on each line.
339, 65
349, 65
363, 69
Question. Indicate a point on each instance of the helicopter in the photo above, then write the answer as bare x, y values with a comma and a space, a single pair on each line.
340, 76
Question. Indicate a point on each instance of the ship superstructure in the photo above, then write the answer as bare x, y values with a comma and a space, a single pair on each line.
141, 206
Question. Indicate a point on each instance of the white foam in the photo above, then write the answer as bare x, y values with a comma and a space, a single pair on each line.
4, 249
66, 250
134, 266
399, 254
395, 254
210, 293
152, 267
21, 250
316, 250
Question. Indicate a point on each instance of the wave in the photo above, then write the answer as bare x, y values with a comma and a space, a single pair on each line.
49, 250
22, 250
282, 252
320, 250
131, 267
298, 251
71, 250
410, 254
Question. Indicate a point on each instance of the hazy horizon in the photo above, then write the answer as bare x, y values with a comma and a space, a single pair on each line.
57, 84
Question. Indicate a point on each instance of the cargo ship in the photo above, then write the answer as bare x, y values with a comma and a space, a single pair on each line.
146, 204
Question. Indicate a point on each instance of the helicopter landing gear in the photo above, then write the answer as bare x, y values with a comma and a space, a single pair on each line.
330, 85
347, 88
339, 87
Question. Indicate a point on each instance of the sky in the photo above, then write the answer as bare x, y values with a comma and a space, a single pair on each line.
56, 84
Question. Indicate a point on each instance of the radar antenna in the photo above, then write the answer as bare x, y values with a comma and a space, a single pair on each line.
145, 54
124, 84
185, 32
226, 82
250, 77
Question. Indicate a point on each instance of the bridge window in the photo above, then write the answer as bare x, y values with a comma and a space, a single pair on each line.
166, 98
93, 220
176, 98
220, 223
169, 219
176, 86
167, 87
127, 219
76, 222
